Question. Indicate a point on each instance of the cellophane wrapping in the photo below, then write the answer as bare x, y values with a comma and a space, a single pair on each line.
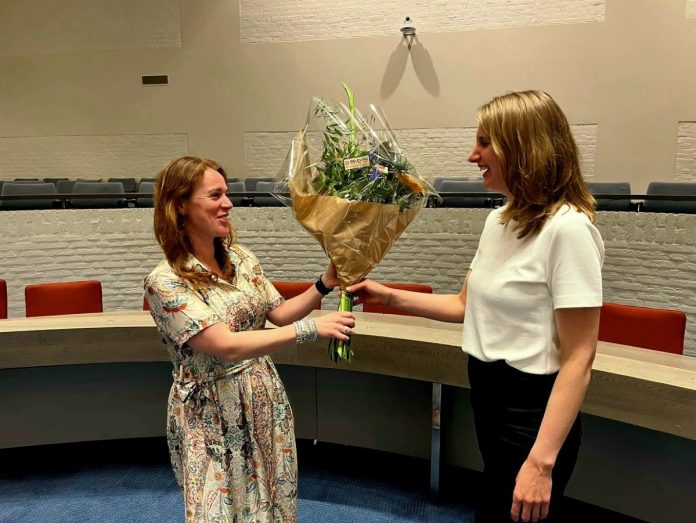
351, 187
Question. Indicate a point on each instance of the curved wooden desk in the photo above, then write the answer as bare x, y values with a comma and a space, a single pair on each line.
641, 387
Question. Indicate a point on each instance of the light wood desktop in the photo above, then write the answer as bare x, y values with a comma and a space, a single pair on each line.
632, 385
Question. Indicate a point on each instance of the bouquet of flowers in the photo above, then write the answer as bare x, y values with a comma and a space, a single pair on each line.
353, 189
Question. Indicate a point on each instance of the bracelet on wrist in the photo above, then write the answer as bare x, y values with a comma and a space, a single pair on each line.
306, 331
323, 289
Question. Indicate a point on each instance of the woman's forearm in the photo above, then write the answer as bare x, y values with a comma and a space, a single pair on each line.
442, 307
295, 308
217, 340
563, 407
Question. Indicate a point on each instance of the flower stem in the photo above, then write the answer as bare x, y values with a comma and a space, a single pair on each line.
340, 350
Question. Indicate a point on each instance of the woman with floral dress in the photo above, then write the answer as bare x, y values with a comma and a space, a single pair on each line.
229, 424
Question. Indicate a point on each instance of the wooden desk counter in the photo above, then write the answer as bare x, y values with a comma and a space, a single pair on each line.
636, 386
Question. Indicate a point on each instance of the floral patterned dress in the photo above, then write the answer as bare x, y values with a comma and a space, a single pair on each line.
230, 428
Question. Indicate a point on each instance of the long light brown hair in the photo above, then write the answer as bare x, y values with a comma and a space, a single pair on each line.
175, 184
531, 137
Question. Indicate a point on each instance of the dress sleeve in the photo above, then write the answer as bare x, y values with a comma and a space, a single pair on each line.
272, 294
179, 312
260, 281
575, 265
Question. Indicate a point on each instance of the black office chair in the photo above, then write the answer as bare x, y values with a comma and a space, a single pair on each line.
65, 186
23, 188
266, 201
54, 181
606, 204
438, 180
250, 183
97, 188
237, 186
129, 184
464, 201
671, 189
145, 188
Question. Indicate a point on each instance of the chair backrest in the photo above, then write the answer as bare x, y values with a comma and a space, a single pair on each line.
27, 188
290, 289
657, 329
97, 188
266, 201
414, 287
149, 180
439, 180
672, 206
464, 201
250, 183
605, 204
236, 187
3, 299
129, 184
54, 181
145, 188
75, 297
65, 186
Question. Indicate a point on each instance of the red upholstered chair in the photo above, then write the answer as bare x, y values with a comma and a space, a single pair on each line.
146, 304
290, 289
657, 329
414, 287
75, 297
3, 299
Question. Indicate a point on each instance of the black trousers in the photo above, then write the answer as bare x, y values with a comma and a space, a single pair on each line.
508, 407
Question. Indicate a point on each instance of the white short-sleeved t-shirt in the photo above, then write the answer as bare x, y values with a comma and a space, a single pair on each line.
515, 286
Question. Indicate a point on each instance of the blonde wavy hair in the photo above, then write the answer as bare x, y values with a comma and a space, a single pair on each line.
531, 137
175, 184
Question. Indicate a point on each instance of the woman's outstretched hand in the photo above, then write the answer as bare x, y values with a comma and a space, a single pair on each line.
337, 325
370, 292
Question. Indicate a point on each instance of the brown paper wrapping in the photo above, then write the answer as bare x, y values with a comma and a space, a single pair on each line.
355, 235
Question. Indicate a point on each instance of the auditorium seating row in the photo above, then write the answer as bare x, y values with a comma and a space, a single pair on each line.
127, 193
657, 329
611, 196
669, 197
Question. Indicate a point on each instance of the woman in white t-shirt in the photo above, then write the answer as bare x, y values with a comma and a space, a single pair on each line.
530, 307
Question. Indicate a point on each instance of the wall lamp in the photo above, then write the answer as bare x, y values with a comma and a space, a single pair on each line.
409, 31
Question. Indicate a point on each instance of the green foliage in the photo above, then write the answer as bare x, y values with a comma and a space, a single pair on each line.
345, 136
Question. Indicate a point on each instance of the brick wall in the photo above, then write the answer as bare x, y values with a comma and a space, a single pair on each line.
685, 165
265, 21
649, 257
691, 8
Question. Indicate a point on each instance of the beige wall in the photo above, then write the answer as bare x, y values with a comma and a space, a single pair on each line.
71, 105
623, 69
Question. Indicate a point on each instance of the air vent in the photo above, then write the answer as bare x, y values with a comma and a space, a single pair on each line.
155, 79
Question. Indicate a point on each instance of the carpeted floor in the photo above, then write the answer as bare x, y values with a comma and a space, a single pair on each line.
131, 481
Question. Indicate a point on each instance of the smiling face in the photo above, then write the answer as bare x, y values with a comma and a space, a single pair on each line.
207, 209
484, 156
